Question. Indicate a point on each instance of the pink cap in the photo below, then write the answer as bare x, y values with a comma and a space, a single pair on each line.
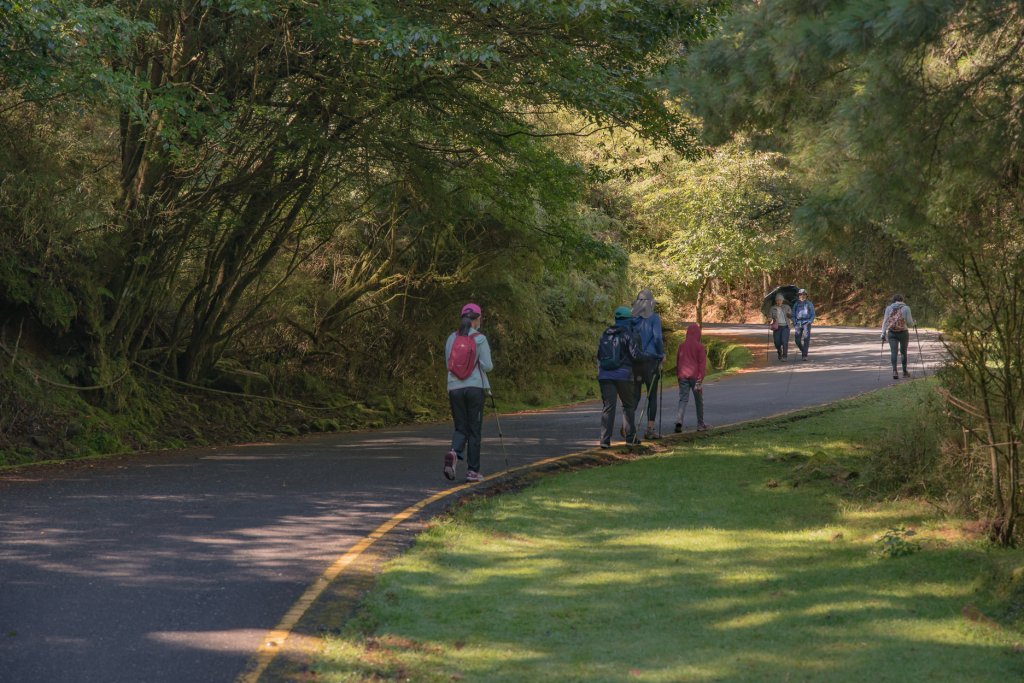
470, 308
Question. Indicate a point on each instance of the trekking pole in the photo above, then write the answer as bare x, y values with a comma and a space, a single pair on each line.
661, 396
636, 429
501, 437
920, 354
881, 355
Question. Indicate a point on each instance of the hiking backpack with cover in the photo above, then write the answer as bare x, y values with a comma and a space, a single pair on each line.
897, 321
611, 351
462, 360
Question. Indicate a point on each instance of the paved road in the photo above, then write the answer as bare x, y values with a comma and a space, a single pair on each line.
171, 567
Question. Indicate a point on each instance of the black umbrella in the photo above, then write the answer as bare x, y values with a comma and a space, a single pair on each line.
788, 293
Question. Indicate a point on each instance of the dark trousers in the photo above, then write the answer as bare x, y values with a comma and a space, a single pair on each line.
898, 341
647, 374
803, 338
781, 339
685, 387
468, 414
611, 392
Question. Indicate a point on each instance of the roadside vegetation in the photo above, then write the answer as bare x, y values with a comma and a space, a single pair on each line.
236, 218
771, 553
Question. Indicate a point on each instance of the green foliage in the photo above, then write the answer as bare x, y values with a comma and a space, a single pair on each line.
896, 543
905, 119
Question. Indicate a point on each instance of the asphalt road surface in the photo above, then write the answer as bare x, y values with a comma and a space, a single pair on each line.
171, 567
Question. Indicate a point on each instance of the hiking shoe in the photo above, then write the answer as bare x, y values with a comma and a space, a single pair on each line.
605, 445
803, 357
906, 374
679, 427
472, 477
894, 375
651, 435
702, 427
449, 464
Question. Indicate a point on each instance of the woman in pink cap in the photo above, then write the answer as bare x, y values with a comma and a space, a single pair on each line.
469, 360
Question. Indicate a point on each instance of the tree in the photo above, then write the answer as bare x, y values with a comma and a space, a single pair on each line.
725, 216
906, 116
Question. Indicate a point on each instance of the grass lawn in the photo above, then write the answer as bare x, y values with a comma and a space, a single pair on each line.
742, 557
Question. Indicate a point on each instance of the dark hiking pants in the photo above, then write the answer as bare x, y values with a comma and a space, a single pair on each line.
898, 342
613, 390
647, 375
803, 338
468, 414
781, 339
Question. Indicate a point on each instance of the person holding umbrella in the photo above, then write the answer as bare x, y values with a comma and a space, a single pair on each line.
803, 316
780, 316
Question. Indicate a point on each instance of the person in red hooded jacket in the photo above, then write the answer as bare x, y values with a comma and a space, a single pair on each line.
691, 365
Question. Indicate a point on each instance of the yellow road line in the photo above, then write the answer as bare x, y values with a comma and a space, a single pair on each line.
276, 637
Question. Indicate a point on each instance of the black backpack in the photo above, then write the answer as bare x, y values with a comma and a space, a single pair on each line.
611, 350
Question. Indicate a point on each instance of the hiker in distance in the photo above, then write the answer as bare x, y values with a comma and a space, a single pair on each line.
896, 324
617, 350
691, 365
803, 316
780, 316
469, 360
647, 368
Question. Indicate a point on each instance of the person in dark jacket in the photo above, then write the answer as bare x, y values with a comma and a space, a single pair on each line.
647, 368
616, 352
691, 366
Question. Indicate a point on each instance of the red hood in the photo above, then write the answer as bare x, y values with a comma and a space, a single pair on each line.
693, 332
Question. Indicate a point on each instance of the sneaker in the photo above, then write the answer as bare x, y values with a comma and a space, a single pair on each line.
906, 374
650, 435
702, 427
679, 427
803, 357
605, 445
894, 375
472, 477
449, 464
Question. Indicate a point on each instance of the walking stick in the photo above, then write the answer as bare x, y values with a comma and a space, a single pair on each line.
920, 354
501, 437
661, 396
881, 355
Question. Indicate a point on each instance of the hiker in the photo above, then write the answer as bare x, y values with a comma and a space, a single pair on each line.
469, 360
803, 316
691, 365
647, 368
780, 316
896, 324
616, 353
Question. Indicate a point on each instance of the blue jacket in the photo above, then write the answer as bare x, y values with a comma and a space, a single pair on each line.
632, 351
803, 313
652, 341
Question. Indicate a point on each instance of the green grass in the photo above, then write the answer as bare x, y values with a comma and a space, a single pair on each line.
743, 557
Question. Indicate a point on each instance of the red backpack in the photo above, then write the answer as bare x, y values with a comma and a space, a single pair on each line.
462, 360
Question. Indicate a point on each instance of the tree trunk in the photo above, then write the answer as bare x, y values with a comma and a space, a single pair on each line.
700, 300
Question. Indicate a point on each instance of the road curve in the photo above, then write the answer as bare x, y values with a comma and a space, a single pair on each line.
172, 567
